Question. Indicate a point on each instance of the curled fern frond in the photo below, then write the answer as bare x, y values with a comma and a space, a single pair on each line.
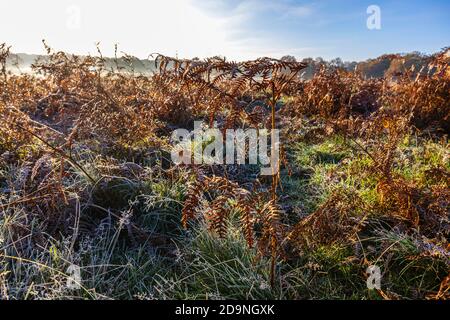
217, 216
192, 201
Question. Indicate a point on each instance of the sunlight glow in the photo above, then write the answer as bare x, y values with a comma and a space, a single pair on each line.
140, 28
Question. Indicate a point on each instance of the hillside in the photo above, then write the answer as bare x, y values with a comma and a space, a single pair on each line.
21, 62
384, 66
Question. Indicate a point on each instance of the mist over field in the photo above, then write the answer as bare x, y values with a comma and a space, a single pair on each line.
386, 65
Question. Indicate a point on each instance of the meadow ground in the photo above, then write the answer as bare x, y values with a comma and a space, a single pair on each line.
86, 180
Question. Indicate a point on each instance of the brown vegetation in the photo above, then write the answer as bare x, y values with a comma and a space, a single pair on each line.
55, 126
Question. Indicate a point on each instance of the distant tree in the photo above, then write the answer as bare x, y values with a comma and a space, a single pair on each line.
288, 58
337, 63
350, 65
319, 60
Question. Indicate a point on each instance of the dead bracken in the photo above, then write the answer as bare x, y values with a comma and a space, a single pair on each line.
86, 179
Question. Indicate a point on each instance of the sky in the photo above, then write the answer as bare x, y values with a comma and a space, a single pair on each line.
237, 29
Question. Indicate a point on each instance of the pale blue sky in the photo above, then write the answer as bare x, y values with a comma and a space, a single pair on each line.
238, 29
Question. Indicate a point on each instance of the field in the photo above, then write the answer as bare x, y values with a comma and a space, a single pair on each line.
87, 182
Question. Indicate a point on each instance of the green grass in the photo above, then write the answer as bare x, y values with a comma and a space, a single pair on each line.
173, 263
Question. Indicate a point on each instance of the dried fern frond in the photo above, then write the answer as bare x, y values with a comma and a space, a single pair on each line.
337, 220
217, 215
190, 206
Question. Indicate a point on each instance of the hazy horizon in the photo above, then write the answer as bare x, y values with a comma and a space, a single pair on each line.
149, 58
